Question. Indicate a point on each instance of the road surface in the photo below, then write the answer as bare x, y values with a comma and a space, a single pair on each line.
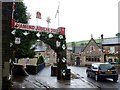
104, 84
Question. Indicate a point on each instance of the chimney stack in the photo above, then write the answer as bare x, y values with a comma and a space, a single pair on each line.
101, 36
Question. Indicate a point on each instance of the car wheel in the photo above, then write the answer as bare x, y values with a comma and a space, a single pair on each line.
115, 80
96, 77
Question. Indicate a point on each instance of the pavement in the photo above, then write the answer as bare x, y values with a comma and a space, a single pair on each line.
44, 80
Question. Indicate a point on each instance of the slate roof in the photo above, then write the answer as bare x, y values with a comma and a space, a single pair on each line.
69, 48
40, 49
89, 42
111, 41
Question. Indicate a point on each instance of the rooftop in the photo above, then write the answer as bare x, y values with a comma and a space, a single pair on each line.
111, 40
114, 40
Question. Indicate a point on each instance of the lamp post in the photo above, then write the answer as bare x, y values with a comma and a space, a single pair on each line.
48, 21
103, 57
101, 42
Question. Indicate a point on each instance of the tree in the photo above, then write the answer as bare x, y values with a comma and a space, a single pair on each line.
40, 60
22, 50
20, 14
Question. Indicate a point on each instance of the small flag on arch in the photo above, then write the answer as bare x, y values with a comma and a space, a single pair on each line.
38, 15
57, 10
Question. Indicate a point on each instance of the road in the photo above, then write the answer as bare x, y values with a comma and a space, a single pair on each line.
102, 85
44, 80
27, 82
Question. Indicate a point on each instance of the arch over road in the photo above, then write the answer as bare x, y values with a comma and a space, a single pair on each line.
55, 38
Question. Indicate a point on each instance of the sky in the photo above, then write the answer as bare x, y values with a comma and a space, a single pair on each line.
81, 18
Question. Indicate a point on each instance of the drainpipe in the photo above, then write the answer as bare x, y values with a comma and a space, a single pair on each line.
73, 50
101, 48
101, 42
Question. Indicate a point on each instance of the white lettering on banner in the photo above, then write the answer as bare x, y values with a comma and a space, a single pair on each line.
35, 28
24, 26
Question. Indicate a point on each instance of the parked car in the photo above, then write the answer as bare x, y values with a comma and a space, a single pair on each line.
102, 70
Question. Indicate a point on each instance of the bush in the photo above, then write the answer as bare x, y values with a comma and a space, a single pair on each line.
40, 60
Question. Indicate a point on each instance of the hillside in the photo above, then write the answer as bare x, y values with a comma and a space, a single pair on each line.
83, 42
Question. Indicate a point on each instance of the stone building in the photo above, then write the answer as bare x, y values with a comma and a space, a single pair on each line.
96, 50
111, 48
91, 53
45, 50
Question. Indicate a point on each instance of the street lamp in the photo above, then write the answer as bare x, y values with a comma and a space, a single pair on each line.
48, 21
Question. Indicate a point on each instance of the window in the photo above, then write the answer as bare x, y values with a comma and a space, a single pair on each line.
105, 66
95, 59
92, 48
98, 59
86, 58
92, 59
115, 59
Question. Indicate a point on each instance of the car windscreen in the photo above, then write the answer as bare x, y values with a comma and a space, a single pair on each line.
105, 66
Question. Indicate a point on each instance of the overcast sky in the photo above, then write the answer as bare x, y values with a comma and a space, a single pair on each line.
81, 18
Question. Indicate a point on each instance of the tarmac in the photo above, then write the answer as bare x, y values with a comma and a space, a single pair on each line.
44, 80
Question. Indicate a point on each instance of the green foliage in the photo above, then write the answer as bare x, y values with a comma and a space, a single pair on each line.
40, 60
52, 41
81, 43
20, 12
23, 49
